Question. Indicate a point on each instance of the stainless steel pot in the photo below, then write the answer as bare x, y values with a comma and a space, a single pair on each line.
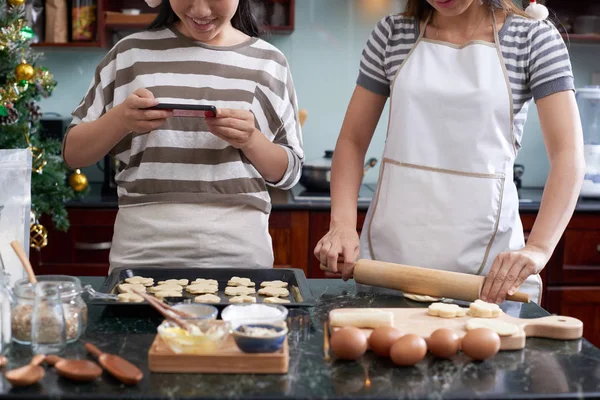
316, 175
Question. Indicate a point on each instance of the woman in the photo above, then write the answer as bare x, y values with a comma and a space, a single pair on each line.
460, 75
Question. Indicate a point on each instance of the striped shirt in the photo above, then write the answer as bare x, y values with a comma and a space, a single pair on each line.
535, 55
182, 161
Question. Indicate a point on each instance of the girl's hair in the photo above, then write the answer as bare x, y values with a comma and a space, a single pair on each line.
244, 19
421, 8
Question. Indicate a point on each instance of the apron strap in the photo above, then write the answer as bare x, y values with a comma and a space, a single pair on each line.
427, 21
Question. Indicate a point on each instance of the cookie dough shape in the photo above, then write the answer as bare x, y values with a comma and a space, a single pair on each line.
239, 291
276, 300
129, 297
140, 280
421, 298
276, 284
481, 309
129, 287
207, 299
274, 292
242, 299
500, 327
163, 288
206, 281
444, 310
167, 293
180, 282
237, 281
202, 289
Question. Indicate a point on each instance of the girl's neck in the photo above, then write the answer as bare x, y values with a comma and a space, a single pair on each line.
227, 36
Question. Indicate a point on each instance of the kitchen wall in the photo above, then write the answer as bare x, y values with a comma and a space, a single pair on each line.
324, 53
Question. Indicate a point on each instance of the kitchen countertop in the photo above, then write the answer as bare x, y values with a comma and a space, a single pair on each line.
544, 369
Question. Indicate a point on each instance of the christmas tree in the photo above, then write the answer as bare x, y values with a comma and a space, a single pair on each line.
22, 83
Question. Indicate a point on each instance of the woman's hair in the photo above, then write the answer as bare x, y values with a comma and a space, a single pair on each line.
421, 8
244, 19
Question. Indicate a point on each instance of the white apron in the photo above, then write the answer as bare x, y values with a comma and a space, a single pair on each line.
446, 197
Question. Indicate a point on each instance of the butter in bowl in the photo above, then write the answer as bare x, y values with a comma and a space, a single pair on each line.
260, 338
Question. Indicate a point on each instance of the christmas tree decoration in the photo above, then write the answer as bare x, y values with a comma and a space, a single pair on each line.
34, 110
16, 3
27, 33
24, 71
11, 118
39, 236
78, 181
32, 218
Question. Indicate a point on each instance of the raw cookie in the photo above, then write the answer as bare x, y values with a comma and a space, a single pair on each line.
242, 299
140, 280
274, 292
275, 300
500, 327
207, 298
167, 293
481, 309
202, 289
162, 288
128, 297
239, 290
279, 284
206, 281
237, 281
421, 298
128, 288
444, 310
180, 282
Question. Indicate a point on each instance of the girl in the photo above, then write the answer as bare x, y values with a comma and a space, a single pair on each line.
192, 192
460, 75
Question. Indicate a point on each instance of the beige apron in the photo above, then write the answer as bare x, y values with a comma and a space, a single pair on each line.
446, 198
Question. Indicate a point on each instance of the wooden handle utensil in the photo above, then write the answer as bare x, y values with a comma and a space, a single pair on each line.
118, 367
76, 370
16, 245
29, 374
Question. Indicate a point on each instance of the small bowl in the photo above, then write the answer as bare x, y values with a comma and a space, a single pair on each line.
249, 343
207, 338
254, 313
200, 311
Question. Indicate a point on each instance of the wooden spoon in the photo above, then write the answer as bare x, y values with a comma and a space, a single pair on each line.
28, 374
302, 114
166, 311
77, 370
3, 361
16, 245
118, 367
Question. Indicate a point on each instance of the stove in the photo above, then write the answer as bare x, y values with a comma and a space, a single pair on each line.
365, 194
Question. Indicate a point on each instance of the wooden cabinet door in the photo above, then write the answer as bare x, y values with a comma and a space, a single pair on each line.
289, 232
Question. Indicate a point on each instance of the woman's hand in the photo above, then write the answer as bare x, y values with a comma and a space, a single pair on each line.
341, 240
135, 118
509, 271
236, 127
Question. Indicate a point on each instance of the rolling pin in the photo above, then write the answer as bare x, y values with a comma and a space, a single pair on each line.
424, 281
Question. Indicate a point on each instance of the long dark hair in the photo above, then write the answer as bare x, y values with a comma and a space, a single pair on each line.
244, 19
421, 8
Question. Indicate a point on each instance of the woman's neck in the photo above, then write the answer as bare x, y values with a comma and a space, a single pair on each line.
466, 21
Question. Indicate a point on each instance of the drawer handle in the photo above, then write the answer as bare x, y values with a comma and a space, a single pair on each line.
93, 246
598, 248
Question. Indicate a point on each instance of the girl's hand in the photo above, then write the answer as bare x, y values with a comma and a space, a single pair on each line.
510, 270
236, 127
135, 118
338, 241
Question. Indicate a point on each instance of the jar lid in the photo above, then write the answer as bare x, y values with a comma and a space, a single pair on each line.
69, 286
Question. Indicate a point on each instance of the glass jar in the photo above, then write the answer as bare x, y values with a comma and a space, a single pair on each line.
75, 309
5, 301
83, 26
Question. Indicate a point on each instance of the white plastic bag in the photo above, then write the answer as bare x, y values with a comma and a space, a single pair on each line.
15, 205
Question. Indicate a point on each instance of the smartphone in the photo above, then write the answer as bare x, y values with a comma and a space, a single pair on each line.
188, 110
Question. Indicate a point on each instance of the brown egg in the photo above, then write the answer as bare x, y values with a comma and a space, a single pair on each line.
382, 338
408, 350
481, 344
443, 343
348, 343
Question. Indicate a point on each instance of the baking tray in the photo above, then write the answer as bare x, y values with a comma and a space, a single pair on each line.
300, 294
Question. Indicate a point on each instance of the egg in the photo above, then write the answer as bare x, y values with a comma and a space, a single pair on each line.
481, 344
382, 338
348, 343
408, 350
443, 343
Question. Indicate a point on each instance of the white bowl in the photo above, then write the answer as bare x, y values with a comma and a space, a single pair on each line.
253, 313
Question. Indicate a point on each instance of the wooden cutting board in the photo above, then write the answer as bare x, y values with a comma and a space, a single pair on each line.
416, 320
229, 359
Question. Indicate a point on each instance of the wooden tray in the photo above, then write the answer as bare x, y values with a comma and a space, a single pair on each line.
416, 320
228, 360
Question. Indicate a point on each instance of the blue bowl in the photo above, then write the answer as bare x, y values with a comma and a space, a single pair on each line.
255, 344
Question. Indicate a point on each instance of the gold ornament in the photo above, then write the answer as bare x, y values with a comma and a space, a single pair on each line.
38, 236
24, 71
16, 3
78, 181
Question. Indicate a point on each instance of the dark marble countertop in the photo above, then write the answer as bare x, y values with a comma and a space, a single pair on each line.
544, 369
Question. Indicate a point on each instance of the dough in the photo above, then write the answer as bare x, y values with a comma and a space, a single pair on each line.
274, 292
242, 299
128, 288
276, 284
140, 280
202, 289
500, 327
130, 298
162, 288
444, 310
421, 298
239, 291
207, 298
180, 282
481, 309
237, 281
365, 318
167, 293
206, 281
276, 300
